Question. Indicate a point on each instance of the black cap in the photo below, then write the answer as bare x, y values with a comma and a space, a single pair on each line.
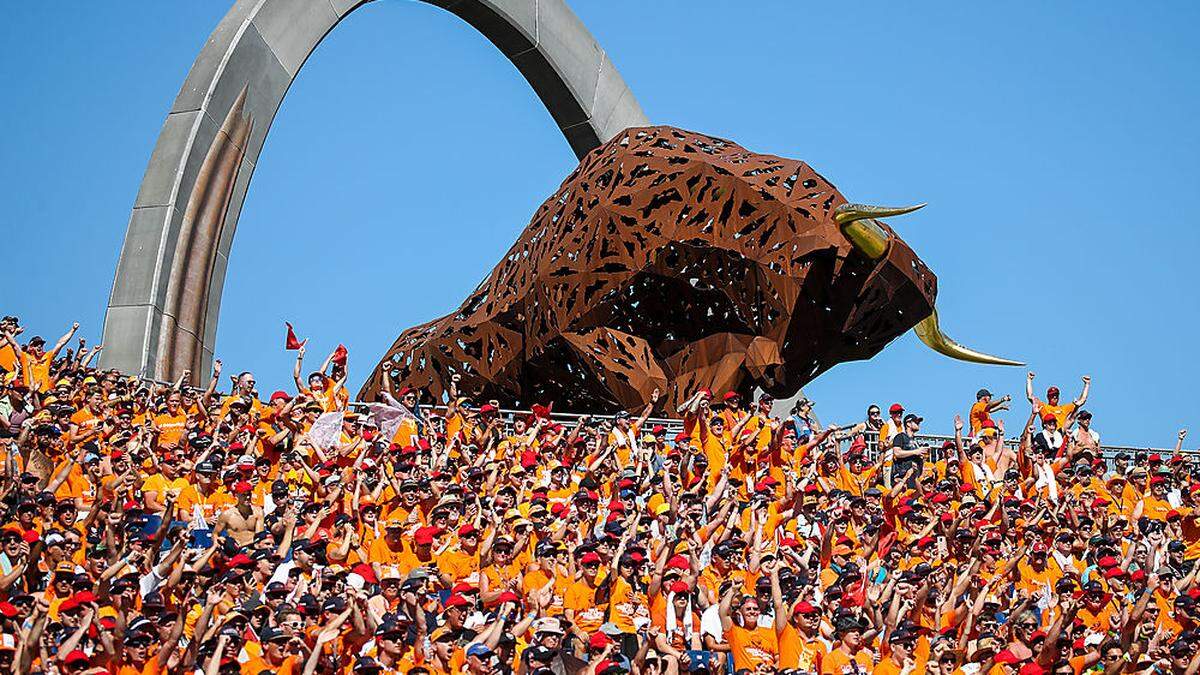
847, 624
913, 418
138, 638
981, 393
271, 634
366, 664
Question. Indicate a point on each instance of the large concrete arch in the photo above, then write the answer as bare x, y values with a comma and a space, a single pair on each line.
166, 297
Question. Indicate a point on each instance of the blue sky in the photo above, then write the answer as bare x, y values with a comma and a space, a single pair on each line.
1056, 144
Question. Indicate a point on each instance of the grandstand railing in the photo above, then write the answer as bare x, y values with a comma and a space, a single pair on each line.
674, 426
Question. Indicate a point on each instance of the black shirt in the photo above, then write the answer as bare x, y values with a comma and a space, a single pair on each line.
901, 466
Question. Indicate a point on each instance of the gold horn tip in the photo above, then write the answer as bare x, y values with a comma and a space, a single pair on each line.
848, 213
931, 334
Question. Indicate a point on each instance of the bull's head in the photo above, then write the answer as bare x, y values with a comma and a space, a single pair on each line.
858, 222
676, 261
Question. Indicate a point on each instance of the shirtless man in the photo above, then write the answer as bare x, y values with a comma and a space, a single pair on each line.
243, 520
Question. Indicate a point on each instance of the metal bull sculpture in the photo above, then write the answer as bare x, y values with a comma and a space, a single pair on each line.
674, 260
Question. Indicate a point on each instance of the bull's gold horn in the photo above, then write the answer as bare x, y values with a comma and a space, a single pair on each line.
931, 334
859, 226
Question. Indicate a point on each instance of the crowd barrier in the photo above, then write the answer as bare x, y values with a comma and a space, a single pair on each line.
674, 426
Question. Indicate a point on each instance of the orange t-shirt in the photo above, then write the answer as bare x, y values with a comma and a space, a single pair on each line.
1060, 412
979, 415
625, 605
797, 653
170, 428
753, 647
838, 662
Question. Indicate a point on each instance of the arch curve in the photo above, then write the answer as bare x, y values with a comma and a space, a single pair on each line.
163, 310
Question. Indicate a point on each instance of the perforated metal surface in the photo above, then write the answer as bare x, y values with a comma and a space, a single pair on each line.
675, 260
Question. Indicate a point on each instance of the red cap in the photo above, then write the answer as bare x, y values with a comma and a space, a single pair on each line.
1031, 669
76, 656
1155, 457
1138, 575
1052, 391
682, 436
239, 560
507, 596
462, 588
84, 597
1114, 573
7, 609
1157, 480
528, 459
617, 506
599, 641
31, 536
805, 607
467, 529
1048, 418
1107, 562
924, 541
1007, 656
947, 517
487, 409
424, 535
896, 408
456, 601
242, 487
678, 562
730, 395
366, 572
589, 557
1098, 502
280, 396
679, 587
939, 498
658, 430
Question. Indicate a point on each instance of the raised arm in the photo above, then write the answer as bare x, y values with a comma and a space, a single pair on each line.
62, 341
641, 420
1087, 385
1029, 386
212, 383
296, 370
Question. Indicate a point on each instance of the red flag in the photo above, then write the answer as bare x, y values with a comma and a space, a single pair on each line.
340, 354
292, 343
540, 410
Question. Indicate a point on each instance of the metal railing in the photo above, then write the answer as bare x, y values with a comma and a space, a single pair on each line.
675, 425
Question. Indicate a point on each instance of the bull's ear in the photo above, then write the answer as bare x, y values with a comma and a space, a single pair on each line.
858, 224
931, 334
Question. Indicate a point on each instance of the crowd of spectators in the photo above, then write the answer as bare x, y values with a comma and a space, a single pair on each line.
171, 528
